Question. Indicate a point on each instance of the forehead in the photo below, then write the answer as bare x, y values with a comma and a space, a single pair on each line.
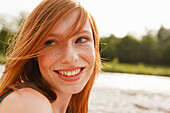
67, 22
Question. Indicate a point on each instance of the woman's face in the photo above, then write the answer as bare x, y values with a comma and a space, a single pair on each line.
68, 67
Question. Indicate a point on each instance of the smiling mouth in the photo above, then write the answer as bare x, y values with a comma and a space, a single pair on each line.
69, 73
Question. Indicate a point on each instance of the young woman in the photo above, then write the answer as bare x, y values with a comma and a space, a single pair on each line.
54, 61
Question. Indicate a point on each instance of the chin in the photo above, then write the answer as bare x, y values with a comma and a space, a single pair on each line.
76, 89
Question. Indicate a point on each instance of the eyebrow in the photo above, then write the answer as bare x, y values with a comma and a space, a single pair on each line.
83, 31
88, 33
54, 35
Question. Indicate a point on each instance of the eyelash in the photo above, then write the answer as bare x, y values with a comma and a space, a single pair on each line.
80, 38
50, 43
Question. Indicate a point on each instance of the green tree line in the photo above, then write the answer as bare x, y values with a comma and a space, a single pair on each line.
150, 49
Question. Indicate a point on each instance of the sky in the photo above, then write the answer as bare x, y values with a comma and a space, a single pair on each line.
118, 17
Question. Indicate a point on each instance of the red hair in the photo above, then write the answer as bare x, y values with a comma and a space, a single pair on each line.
22, 67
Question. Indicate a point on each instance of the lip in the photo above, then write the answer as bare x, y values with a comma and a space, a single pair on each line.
70, 78
70, 69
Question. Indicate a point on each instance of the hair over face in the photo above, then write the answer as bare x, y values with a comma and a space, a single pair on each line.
22, 67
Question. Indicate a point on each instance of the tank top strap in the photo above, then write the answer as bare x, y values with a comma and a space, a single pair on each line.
13, 91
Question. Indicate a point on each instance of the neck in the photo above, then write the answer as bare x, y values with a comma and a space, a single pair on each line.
61, 103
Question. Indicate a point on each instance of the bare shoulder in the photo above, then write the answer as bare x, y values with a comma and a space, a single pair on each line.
25, 100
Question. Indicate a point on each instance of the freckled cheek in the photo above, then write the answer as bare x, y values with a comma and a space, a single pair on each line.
57, 51
45, 61
89, 55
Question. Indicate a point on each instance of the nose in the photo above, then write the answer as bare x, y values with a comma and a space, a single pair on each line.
70, 55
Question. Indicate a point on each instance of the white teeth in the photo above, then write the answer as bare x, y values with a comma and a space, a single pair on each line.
64, 73
73, 73
70, 73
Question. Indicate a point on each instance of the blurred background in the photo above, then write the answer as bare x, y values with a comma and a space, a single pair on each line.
135, 39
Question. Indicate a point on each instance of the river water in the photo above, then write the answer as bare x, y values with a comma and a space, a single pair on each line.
128, 93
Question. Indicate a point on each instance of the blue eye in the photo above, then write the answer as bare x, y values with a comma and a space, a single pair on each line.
50, 43
82, 39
